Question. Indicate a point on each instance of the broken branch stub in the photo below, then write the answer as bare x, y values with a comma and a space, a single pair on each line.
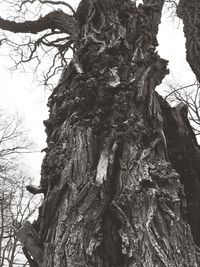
30, 239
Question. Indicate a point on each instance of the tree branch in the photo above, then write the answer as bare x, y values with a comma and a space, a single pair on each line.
36, 190
54, 20
50, 2
174, 90
30, 239
31, 262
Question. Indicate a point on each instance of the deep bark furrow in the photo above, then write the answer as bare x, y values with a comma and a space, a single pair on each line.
113, 198
184, 156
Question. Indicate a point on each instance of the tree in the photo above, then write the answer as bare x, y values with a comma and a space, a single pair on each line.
189, 13
189, 94
121, 171
13, 141
16, 207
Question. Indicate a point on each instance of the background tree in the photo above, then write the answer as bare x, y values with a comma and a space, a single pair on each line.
115, 174
16, 205
13, 141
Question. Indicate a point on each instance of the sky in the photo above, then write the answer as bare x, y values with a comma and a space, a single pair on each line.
172, 47
20, 91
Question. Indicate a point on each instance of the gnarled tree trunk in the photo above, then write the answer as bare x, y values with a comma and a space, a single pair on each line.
118, 164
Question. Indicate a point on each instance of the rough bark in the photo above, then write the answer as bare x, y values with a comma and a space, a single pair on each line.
54, 20
188, 11
29, 237
188, 155
113, 197
184, 155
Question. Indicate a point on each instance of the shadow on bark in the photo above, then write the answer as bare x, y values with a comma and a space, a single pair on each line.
121, 167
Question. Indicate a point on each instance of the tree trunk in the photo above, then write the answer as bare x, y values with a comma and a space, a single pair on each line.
121, 169
188, 11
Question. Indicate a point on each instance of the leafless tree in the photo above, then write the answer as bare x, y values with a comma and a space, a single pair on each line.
13, 142
16, 206
118, 157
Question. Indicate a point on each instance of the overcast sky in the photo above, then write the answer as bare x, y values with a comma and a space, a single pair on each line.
20, 93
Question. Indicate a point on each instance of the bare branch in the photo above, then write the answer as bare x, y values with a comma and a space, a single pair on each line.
189, 95
49, 2
178, 89
54, 20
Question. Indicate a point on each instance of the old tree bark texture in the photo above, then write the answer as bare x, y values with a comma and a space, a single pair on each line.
121, 170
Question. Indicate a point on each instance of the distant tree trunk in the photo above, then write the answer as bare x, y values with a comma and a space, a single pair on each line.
187, 162
115, 151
